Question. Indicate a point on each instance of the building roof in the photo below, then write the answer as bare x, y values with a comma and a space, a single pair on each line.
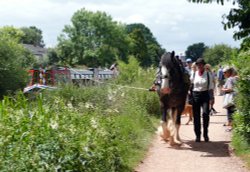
36, 50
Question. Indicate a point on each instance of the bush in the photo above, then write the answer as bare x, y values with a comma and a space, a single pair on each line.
14, 60
242, 118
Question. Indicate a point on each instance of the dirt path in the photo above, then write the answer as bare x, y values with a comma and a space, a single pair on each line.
195, 157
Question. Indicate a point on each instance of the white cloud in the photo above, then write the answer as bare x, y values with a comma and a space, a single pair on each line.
176, 25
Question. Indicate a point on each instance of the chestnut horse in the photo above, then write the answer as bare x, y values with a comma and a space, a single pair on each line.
172, 102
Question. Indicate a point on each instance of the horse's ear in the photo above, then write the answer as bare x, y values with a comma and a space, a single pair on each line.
172, 54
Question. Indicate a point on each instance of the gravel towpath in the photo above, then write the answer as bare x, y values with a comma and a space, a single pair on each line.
212, 156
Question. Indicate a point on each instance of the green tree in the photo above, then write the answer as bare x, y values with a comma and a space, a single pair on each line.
14, 60
93, 39
11, 33
218, 53
53, 56
245, 45
139, 48
144, 45
32, 35
238, 17
195, 51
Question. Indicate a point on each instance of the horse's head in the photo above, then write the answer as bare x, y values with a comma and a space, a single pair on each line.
166, 65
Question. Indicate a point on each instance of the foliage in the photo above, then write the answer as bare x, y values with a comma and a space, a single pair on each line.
11, 33
245, 45
218, 53
238, 17
93, 39
242, 148
14, 60
242, 118
104, 127
144, 45
53, 56
32, 35
195, 51
139, 48
128, 73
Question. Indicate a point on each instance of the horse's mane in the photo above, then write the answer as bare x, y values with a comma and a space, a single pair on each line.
174, 65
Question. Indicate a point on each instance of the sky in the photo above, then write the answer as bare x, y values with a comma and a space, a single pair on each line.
176, 24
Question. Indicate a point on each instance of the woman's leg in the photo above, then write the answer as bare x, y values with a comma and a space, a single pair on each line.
230, 111
206, 119
197, 116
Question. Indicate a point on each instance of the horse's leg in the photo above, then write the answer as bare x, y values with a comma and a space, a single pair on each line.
165, 135
178, 122
171, 127
175, 127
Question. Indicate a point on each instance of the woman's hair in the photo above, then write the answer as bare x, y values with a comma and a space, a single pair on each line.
234, 71
208, 67
228, 69
193, 65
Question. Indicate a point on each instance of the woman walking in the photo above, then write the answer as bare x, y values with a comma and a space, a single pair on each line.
228, 88
202, 83
211, 92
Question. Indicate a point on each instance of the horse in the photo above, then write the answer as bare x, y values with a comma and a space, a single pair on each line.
173, 93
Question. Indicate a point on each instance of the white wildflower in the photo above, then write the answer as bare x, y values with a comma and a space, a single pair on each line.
54, 125
70, 105
89, 105
93, 123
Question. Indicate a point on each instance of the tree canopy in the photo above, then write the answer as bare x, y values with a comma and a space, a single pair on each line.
195, 51
144, 45
93, 39
32, 35
238, 17
218, 53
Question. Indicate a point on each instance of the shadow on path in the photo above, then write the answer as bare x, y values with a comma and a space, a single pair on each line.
207, 149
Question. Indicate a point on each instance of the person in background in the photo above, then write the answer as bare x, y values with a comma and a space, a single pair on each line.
114, 68
214, 74
189, 66
211, 91
201, 85
229, 86
190, 93
221, 81
193, 68
157, 82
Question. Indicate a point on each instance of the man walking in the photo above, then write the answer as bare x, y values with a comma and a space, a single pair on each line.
220, 77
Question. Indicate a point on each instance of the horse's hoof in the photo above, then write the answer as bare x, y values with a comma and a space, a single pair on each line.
164, 137
178, 143
175, 142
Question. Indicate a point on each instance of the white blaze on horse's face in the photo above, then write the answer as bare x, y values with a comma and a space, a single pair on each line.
165, 77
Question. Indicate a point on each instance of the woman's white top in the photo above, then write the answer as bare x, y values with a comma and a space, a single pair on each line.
201, 82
